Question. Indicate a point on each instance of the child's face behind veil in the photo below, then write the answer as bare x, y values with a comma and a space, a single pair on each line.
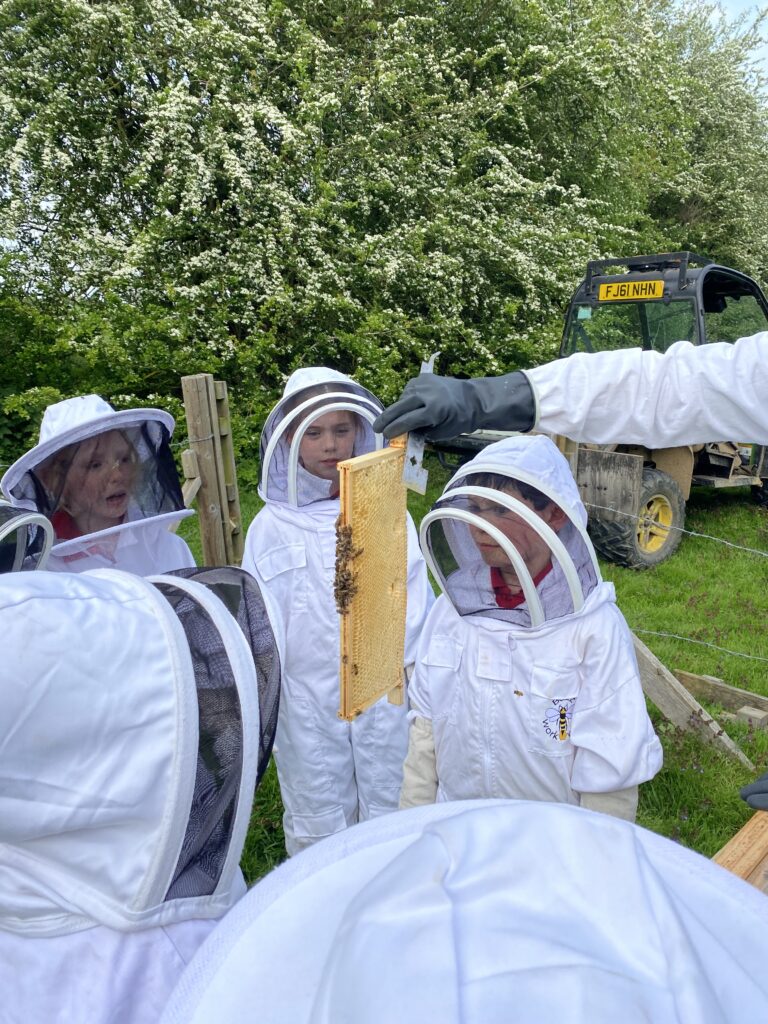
533, 548
100, 480
328, 440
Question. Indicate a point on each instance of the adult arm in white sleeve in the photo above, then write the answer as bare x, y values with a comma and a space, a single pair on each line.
689, 395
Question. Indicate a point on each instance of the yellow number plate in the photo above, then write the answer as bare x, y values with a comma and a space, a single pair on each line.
624, 291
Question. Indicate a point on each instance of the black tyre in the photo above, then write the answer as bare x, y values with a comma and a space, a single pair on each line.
653, 531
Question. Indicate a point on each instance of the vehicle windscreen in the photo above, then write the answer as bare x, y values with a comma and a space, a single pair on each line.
648, 325
732, 317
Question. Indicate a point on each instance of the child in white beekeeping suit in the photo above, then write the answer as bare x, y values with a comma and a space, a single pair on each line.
130, 748
526, 683
332, 773
107, 482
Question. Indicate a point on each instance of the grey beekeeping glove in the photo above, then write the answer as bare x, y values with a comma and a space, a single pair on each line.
756, 793
442, 407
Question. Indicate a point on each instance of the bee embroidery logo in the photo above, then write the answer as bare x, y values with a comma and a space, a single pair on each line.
557, 719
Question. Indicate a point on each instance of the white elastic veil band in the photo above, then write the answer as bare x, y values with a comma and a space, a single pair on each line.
501, 469
543, 529
546, 533
24, 519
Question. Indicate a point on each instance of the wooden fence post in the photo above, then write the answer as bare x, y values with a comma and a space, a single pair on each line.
209, 468
234, 521
679, 706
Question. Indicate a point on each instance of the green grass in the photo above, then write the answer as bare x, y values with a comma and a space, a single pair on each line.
717, 595
706, 591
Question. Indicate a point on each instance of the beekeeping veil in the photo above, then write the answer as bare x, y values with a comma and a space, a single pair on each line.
310, 393
25, 539
483, 912
129, 751
490, 521
98, 472
240, 593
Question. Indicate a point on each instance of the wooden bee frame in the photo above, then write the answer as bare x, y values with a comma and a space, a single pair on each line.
746, 854
371, 579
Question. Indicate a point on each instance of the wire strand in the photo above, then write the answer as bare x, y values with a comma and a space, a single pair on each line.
681, 529
702, 643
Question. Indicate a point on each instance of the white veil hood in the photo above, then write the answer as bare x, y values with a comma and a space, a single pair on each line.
483, 912
100, 754
524, 461
37, 481
324, 390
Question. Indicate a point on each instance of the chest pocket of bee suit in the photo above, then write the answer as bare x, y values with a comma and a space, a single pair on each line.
441, 667
553, 691
283, 570
494, 657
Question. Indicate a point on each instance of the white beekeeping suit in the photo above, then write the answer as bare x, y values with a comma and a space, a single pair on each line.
688, 395
487, 912
536, 694
332, 773
128, 755
107, 482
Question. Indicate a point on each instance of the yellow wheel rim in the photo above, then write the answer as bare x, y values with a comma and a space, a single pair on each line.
654, 524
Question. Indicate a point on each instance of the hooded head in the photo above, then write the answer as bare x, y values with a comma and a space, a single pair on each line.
507, 538
129, 750
97, 471
487, 911
323, 418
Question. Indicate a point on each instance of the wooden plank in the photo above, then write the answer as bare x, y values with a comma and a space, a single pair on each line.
200, 428
218, 462
192, 481
371, 579
746, 854
718, 692
679, 706
231, 495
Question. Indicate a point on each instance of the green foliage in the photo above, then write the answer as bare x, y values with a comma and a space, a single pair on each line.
245, 187
265, 844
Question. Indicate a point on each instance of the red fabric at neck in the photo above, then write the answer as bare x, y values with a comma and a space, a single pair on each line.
64, 526
504, 596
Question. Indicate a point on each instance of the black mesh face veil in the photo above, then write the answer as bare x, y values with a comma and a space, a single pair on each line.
25, 539
220, 752
240, 592
111, 477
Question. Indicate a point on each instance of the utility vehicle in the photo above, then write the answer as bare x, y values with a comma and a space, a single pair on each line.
636, 496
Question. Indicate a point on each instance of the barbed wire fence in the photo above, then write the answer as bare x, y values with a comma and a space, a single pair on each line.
700, 536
